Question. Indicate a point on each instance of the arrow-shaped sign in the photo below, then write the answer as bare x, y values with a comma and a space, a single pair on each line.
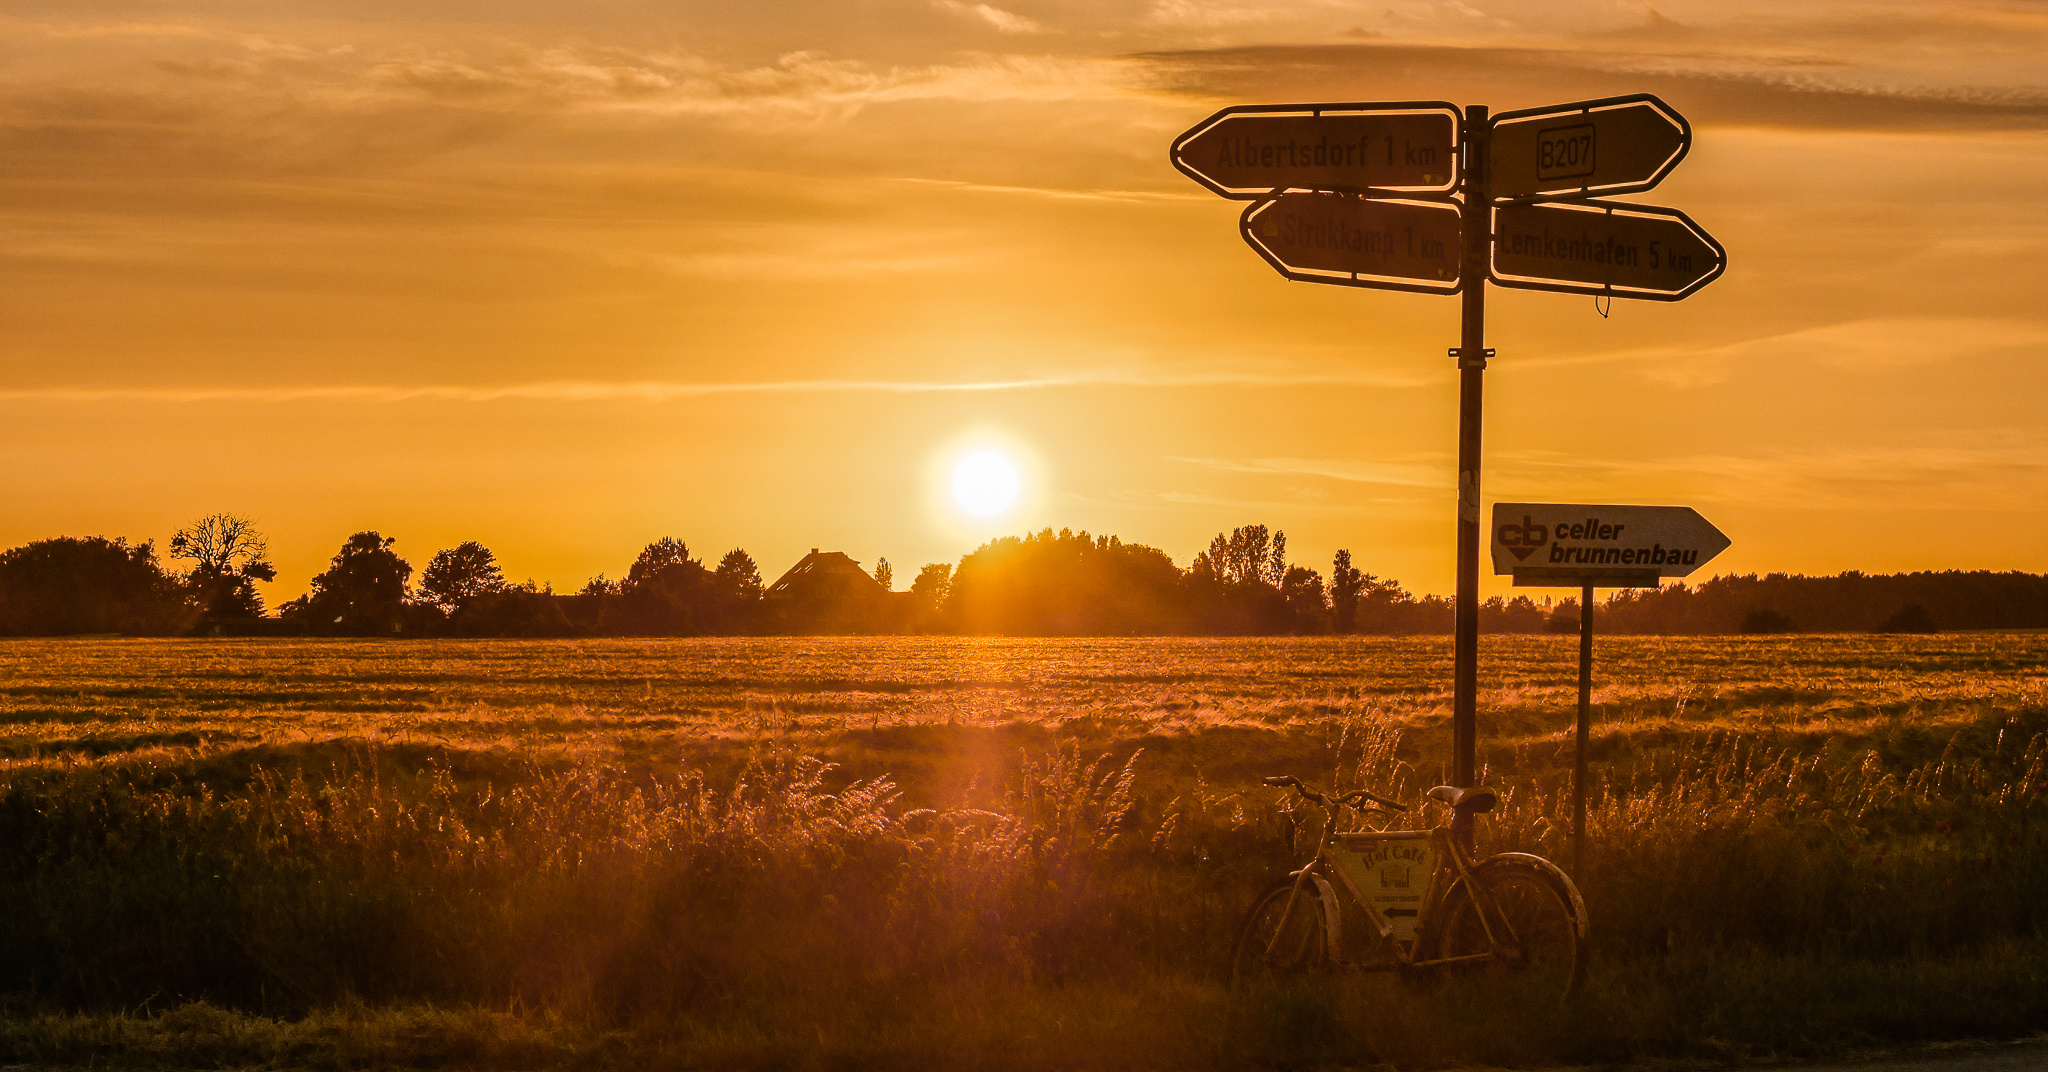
1603, 247
1247, 152
1616, 145
1357, 241
1570, 544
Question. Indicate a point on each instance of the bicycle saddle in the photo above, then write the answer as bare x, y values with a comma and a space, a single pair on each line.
1470, 801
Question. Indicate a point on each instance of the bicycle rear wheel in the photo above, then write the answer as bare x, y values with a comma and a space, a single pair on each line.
1269, 946
1542, 938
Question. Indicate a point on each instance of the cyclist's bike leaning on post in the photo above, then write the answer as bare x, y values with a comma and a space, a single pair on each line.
1413, 900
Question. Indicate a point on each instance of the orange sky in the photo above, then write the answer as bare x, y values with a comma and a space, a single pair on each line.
567, 278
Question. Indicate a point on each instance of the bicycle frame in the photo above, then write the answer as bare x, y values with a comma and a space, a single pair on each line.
1377, 868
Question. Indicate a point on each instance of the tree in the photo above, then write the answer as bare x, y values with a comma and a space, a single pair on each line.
736, 593
1345, 584
456, 577
931, 586
89, 585
228, 557
1236, 584
1064, 584
362, 593
1302, 587
664, 590
885, 575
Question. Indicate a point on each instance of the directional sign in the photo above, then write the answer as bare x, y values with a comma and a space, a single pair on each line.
1617, 145
1247, 152
1572, 544
1603, 247
1357, 241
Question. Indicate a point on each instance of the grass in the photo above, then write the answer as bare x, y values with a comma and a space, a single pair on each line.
995, 853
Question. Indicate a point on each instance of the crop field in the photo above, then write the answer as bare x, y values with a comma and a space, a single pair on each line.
834, 852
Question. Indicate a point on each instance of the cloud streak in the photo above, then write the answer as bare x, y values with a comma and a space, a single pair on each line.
656, 391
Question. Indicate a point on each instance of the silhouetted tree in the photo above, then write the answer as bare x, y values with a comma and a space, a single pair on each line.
1302, 588
515, 610
1234, 587
1518, 614
90, 585
1766, 621
885, 575
1065, 583
1345, 583
1911, 618
928, 593
736, 593
456, 577
363, 592
664, 590
228, 557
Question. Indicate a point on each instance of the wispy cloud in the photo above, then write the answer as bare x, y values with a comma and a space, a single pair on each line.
1989, 470
1412, 473
1868, 344
663, 391
1007, 21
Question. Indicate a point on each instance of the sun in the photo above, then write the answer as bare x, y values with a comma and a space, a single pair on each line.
986, 483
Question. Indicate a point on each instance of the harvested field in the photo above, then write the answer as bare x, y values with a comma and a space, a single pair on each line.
996, 852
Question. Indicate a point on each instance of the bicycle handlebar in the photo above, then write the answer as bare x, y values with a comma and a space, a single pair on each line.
1350, 799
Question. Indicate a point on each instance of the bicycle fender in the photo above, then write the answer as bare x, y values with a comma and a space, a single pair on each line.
1333, 916
1571, 889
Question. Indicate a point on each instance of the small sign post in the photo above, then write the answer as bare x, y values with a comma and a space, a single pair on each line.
1575, 545
1424, 196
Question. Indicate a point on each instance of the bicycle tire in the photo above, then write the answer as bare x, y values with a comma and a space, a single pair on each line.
1262, 952
1545, 932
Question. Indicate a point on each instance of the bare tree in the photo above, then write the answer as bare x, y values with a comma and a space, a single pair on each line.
228, 557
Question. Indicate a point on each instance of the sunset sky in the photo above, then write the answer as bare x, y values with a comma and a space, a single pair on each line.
565, 278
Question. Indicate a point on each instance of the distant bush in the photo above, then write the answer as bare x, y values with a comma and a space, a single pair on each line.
1765, 622
90, 585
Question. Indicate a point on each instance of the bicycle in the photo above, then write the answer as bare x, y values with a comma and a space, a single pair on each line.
1510, 910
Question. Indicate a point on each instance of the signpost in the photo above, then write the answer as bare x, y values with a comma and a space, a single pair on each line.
1424, 196
1603, 247
1358, 241
1574, 545
1619, 145
1247, 153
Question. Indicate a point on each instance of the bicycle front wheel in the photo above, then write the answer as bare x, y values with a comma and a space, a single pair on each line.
1541, 934
1278, 940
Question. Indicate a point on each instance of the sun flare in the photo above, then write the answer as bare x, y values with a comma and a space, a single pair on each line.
985, 484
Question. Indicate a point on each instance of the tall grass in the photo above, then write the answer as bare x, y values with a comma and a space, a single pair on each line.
1876, 877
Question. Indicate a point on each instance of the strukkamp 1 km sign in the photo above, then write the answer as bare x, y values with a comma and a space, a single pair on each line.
1366, 242
1572, 544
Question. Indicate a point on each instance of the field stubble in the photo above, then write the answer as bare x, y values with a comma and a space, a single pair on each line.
998, 852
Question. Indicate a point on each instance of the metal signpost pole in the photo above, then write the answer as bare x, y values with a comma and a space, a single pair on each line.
1585, 719
1471, 354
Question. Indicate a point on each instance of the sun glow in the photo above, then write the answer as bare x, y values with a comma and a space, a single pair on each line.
986, 483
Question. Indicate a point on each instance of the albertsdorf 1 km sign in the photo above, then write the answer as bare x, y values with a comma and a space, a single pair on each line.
1574, 544
1248, 152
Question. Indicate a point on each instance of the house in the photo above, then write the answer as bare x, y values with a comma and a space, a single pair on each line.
827, 592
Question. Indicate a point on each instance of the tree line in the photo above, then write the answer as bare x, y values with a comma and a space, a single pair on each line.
1042, 584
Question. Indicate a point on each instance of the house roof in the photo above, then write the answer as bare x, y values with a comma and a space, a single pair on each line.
830, 567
